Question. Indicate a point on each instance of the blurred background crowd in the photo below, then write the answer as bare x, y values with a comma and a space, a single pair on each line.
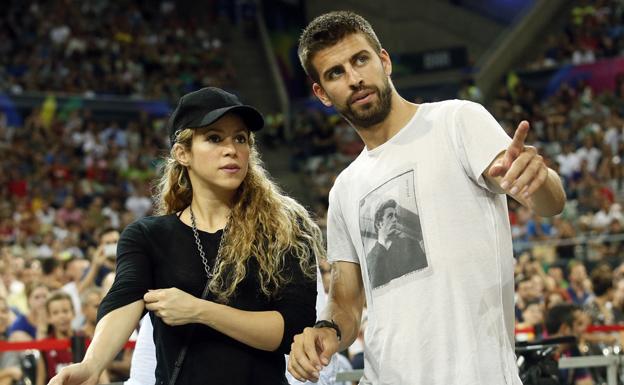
74, 174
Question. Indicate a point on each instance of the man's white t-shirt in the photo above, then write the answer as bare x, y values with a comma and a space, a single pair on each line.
443, 312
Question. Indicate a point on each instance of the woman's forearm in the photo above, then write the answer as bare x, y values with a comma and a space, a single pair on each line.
111, 333
259, 329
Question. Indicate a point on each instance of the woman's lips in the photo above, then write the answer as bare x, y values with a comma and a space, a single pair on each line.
230, 169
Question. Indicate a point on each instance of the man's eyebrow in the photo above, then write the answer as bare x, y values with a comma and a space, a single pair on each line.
339, 66
355, 56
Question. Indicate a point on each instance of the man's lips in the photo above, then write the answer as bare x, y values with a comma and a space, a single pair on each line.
362, 96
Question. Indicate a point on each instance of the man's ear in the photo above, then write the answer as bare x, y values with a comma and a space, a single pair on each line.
181, 155
321, 95
384, 56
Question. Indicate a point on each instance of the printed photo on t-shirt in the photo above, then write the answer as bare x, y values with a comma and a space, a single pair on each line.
391, 231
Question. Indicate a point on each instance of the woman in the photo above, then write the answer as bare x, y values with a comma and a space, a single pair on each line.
223, 219
60, 309
34, 324
10, 370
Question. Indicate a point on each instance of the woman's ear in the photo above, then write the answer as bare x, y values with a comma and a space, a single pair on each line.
181, 154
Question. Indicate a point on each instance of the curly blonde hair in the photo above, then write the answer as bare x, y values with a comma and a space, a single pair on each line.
270, 226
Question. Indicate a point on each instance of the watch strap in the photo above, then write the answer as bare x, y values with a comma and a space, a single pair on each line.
329, 324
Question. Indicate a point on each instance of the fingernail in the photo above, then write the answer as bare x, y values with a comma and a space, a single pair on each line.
525, 195
514, 190
316, 374
318, 367
324, 361
504, 185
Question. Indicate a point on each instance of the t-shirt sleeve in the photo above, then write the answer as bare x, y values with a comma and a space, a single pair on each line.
296, 303
478, 139
339, 243
133, 276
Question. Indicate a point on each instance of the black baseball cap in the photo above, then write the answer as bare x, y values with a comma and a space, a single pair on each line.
205, 106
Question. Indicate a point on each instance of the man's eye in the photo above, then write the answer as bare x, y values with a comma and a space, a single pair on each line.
362, 59
335, 73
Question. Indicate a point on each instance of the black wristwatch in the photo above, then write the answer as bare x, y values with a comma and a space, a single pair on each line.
329, 324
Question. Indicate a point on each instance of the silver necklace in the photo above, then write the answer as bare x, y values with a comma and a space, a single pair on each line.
200, 249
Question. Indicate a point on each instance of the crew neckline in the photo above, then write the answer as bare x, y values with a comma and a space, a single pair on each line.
179, 220
399, 133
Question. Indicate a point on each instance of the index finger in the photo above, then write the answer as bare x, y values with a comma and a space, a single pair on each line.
520, 136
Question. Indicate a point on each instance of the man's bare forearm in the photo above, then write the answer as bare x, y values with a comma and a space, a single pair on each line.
346, 301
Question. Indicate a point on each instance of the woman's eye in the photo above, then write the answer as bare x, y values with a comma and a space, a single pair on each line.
241, 139
213, 138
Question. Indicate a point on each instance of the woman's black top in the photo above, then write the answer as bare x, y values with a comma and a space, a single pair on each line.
160, 252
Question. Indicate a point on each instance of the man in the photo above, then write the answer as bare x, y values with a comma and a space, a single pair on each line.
102, 262
394, 254
578, 289
452, 321
567, 319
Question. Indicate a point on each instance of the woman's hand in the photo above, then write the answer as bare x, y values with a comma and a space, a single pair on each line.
173, 306
76, 374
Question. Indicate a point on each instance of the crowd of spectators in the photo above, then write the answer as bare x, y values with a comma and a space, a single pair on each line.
594, 30
141, 49
69, 183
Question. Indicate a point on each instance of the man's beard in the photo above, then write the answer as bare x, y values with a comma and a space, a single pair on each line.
370, 114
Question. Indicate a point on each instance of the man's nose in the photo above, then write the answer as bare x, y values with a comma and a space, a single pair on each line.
354, 77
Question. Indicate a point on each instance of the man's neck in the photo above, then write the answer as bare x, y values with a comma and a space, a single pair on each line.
401, 113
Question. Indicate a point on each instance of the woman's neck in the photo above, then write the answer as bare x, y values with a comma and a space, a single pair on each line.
32, 317
211, 214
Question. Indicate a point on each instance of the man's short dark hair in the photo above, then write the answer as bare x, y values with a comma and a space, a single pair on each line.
602, 279
48, 265
69, 261
558, 315
106, 230
379, 213
327, 30
59, 295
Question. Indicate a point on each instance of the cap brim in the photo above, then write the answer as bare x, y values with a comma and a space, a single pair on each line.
252, 118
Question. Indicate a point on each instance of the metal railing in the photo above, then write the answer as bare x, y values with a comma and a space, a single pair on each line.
611, 362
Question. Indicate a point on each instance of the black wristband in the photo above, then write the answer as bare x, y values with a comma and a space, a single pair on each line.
329, 324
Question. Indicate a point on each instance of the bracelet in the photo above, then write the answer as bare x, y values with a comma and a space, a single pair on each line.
329, 324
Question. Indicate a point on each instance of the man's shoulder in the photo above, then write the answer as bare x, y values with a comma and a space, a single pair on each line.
446, 112
448, 105
345, 176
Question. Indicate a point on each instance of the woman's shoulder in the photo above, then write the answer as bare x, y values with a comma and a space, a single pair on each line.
154, 225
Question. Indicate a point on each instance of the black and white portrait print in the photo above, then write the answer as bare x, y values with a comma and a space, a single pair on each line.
391, 231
